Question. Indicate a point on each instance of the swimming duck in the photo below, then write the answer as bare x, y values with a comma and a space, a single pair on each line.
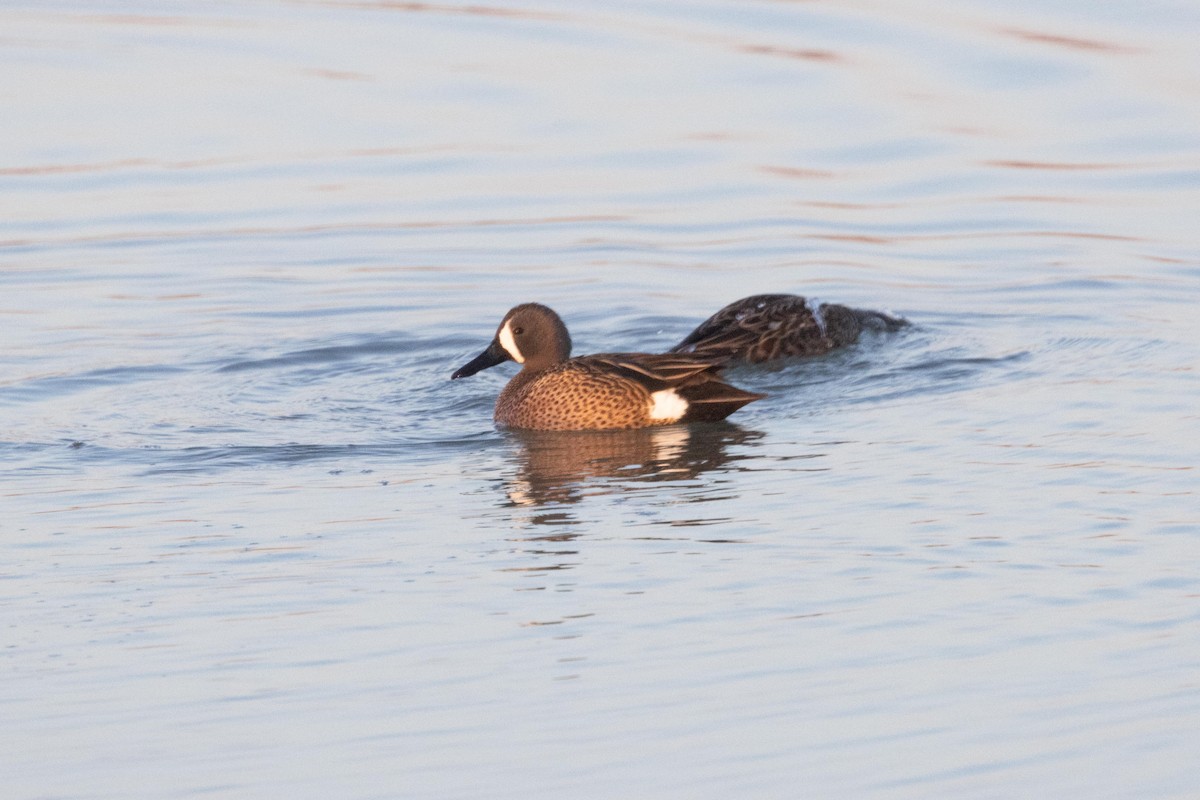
765, 327
605, 391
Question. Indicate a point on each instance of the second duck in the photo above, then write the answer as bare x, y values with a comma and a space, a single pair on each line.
770, 327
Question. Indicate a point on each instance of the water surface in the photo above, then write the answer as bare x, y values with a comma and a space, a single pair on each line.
256, 544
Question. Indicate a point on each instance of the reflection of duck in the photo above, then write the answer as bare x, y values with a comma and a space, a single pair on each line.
770, 326
561, 467
601, 392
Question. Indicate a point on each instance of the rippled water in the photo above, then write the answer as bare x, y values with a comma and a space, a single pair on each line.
256, 544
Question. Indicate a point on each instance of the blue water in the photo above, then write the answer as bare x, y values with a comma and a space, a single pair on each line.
256, 544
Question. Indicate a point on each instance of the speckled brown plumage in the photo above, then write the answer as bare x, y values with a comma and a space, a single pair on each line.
597, 392
766, 327
613, 391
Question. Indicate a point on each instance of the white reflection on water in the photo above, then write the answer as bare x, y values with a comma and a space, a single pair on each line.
255, 543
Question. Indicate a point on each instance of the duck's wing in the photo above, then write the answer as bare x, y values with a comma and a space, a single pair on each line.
656, 371
754, 328
696, 379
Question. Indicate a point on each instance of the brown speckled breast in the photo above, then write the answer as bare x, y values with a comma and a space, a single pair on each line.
568, 396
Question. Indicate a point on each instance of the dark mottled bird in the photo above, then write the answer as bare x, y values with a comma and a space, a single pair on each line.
766, 327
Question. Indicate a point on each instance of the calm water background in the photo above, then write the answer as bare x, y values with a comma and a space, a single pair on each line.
255, 544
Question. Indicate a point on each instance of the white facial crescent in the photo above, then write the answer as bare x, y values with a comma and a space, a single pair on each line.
510, 344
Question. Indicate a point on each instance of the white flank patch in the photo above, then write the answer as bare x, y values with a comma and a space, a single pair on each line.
667, 404
510, 344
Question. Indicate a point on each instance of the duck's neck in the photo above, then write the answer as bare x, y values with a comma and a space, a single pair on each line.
544, 360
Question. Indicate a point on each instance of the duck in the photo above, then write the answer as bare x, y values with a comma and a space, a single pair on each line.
769, 327
606, 391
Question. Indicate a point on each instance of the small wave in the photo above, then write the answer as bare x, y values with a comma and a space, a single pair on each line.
42, 387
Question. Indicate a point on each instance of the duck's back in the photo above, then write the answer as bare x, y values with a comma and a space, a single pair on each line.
767, 327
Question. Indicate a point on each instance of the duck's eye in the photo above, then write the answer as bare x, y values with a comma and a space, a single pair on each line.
517, 331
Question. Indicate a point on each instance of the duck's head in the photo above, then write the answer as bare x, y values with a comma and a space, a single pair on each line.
530, 334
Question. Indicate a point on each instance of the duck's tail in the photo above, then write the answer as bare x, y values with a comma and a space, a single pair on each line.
713, 400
